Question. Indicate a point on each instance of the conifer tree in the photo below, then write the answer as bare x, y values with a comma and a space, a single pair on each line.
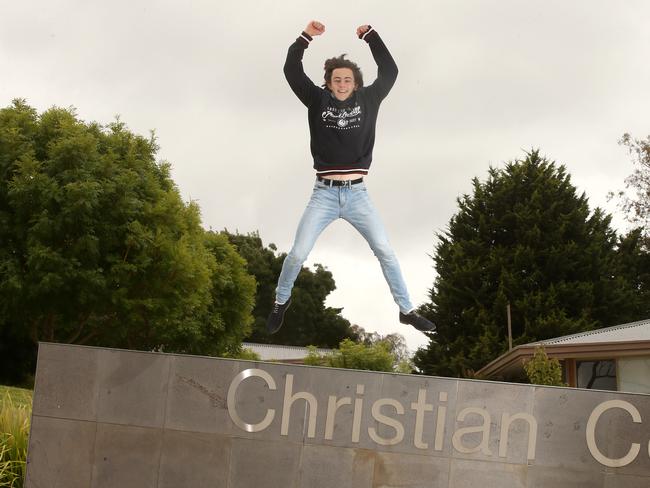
524, 237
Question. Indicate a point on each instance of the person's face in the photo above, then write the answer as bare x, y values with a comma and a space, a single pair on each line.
342, 84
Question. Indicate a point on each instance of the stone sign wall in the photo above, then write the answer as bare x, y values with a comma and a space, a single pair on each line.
114, 418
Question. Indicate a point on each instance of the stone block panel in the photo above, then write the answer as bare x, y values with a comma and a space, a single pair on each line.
410, 471
494, 424
626, 422
562, 415
126, 457
66, 382
263, 464
465, 473
544, 477
344, 404
132, 387
60, 453
197, 395
194, 459
257, 402
335, 467
429, 406
623, 481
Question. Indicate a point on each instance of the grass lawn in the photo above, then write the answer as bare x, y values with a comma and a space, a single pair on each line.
19, 396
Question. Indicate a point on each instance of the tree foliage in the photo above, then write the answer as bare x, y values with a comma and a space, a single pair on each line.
634, 264
97, 247
243, 354
637, 207
635, 246
542, 370
308, 320
354, 355
396, 344
524, 237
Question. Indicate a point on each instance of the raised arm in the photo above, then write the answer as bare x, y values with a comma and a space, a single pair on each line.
299, 82
386, 67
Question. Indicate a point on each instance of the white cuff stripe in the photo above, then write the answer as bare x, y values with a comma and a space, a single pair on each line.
369, 31
308, 41
358, 170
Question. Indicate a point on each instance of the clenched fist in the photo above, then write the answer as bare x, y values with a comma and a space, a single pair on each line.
362, 29
315, 28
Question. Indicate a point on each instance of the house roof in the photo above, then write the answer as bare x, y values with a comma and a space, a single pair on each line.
273, 352
631, 339
634, 331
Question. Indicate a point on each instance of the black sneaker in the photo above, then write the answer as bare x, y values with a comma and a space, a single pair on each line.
276, 317
418, 321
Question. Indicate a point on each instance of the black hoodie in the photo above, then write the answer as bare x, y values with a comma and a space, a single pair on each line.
342, 132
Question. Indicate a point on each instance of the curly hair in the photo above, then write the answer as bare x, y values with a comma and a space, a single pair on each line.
340, 62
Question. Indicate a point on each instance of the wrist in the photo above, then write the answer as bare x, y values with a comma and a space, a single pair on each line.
365, 35
305, 38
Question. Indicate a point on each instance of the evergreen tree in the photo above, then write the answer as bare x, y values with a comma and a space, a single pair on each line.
524, 237
634, 264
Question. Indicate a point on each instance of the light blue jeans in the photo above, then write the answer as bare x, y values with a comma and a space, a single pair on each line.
352, 203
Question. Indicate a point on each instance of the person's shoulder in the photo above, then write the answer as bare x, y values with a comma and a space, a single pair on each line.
363, 93
321, 97
325, 94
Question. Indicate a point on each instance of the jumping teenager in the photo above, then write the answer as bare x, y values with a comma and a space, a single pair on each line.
342, 117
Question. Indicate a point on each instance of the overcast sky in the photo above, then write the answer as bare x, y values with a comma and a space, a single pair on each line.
480, 83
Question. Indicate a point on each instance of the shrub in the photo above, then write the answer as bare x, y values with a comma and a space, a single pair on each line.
243, 354
542, 370
350, 355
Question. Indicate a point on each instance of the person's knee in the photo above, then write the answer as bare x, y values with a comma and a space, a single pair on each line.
383, 251
297, 255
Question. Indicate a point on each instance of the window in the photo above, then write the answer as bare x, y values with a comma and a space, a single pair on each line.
597, 375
